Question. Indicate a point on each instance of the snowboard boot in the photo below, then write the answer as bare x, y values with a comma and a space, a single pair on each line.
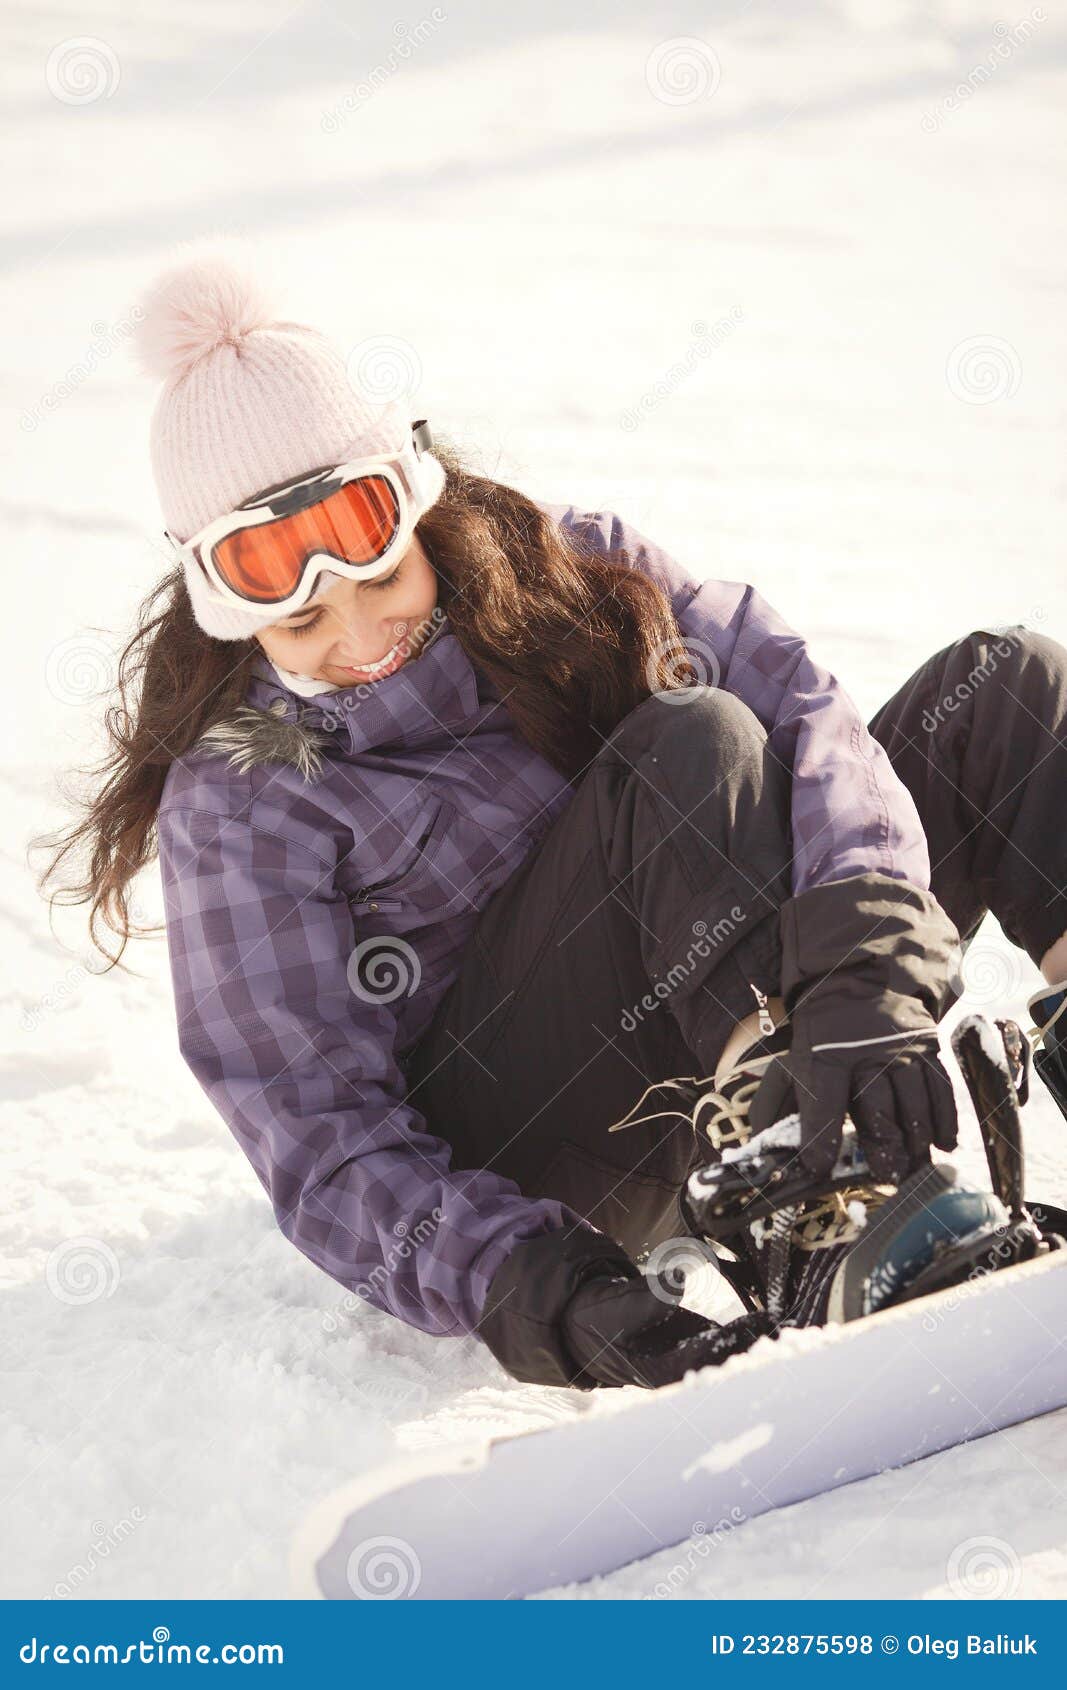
790, 1235
716, 1107
779, 1260
847, 1245
850, 1246
803, 1253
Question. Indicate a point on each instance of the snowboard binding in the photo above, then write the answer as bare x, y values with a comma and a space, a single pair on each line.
871, 1245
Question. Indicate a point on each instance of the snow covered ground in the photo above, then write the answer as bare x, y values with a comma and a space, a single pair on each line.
785, 288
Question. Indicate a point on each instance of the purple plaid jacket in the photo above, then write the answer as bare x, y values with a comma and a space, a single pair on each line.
394, 812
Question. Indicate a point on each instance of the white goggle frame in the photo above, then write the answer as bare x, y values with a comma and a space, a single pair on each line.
401, 470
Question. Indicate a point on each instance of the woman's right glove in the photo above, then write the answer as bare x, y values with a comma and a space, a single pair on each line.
621, 1333
570, 1308
624, 1333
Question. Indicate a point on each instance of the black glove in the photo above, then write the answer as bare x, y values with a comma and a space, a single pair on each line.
866, 965
620, 1332
570, 1308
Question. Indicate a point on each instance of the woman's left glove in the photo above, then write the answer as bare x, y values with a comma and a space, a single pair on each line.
866, 967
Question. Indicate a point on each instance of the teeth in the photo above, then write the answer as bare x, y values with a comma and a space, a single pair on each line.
372, 668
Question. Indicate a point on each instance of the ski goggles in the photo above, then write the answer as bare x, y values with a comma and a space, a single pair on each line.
355, 519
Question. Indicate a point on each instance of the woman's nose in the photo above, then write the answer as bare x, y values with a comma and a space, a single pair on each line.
370, 644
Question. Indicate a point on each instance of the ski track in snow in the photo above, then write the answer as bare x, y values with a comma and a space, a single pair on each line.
179, 1384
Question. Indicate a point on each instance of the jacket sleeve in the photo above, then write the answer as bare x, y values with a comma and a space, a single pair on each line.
851, 813
302, 1070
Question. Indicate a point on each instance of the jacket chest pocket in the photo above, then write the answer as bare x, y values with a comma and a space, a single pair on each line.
425, 878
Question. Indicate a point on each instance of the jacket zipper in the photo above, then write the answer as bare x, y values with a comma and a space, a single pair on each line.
766, 1025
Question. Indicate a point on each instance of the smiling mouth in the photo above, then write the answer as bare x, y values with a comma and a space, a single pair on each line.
392, 660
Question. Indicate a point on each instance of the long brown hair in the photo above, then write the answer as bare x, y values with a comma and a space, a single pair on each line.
571, 640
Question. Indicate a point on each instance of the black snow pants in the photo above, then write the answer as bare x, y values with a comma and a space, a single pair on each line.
627, 945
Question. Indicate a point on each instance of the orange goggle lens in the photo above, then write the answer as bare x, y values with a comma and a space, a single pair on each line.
266, 562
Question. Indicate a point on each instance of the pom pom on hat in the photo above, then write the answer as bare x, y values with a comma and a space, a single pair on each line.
210, 297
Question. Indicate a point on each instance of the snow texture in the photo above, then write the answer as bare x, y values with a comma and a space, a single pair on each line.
781, 1136
749, 318
992, 1043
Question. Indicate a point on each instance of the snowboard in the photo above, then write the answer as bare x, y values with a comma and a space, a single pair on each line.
640, 1471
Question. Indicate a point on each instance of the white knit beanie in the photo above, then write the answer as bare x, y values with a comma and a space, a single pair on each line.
250, 400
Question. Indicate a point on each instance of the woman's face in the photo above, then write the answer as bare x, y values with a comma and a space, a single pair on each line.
350, 624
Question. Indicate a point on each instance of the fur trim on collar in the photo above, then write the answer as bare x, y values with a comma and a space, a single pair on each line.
250, 738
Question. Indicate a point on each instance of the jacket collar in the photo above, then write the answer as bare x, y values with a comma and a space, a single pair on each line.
435, 697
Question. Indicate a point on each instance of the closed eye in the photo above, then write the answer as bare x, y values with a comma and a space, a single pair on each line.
299, 628
305, 627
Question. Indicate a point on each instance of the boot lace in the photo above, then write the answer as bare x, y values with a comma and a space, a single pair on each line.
834, 1219
720, 1111
721, 1114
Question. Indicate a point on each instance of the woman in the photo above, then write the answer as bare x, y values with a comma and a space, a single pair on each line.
477, 818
